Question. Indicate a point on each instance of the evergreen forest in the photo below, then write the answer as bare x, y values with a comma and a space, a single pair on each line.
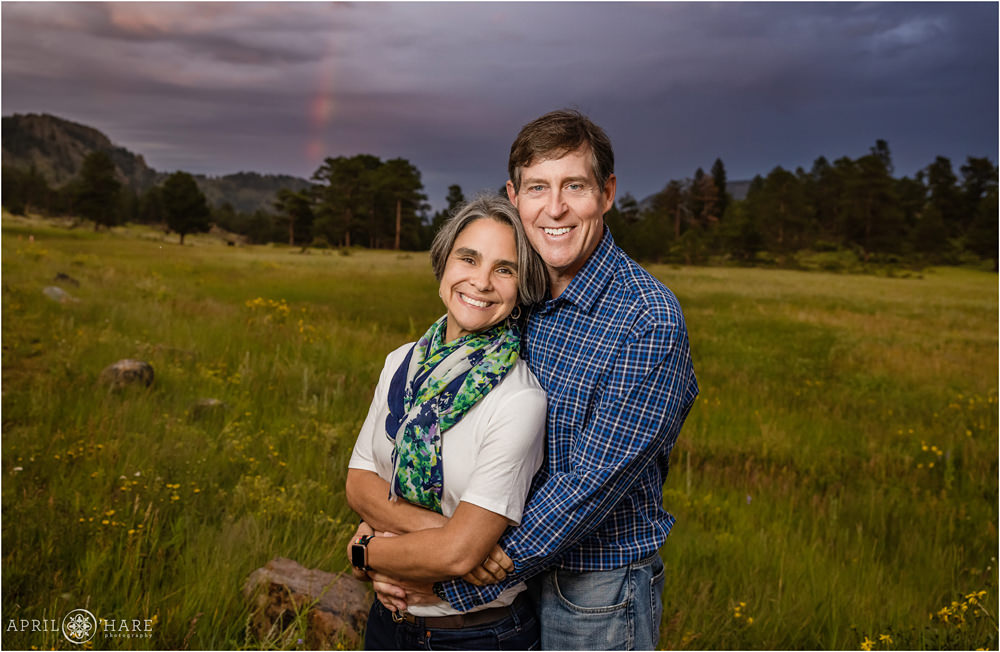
839, 215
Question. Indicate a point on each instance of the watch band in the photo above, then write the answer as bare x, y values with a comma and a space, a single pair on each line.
359, 552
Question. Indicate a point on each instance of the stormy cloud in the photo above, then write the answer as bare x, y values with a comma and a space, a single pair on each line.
217, 88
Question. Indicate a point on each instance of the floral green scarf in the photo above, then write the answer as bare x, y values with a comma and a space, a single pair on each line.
434, 387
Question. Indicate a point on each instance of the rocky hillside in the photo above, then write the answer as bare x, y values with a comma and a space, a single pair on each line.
57, 147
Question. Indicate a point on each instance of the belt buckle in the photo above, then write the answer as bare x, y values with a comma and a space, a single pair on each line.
397, 617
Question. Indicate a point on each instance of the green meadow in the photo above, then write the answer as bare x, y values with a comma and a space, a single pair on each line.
835, 485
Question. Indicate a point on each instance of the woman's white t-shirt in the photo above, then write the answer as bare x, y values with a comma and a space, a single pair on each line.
488, 458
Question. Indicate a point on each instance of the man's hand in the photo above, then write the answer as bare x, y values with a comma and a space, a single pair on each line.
363, 529
493, 569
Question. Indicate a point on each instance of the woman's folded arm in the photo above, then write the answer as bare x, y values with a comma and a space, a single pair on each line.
439, 553
368, 495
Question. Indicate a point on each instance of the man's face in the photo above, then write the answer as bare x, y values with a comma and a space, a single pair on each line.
562, 209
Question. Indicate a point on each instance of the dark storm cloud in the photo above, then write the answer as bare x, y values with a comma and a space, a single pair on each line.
274, 87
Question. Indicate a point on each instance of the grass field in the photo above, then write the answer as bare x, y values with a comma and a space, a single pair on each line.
835, 485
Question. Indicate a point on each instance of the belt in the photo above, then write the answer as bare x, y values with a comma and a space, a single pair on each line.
458, 621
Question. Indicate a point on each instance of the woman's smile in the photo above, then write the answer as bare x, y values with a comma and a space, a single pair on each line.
475, 302
479, 283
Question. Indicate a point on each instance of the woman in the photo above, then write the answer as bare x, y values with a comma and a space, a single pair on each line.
453, 437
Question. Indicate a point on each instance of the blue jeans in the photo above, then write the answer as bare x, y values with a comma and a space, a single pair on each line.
517, 631
618, 609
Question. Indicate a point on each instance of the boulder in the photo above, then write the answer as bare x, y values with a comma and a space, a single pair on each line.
56, 293
208, 409
335, 605
127, 372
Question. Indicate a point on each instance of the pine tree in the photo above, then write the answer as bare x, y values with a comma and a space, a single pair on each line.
296, 209
184, 205
945, 195
719, 177
97, 189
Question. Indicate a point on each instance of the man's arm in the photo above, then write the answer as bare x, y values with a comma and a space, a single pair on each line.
647, 396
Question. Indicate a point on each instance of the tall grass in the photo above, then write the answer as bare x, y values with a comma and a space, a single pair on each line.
836, 481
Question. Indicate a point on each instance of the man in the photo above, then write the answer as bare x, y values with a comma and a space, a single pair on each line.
610, 348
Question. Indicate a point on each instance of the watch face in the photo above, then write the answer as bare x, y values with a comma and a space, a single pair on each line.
358, 555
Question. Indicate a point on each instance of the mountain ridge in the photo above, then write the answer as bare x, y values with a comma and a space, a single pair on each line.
56, 148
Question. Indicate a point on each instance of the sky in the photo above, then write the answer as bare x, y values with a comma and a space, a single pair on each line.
218, 88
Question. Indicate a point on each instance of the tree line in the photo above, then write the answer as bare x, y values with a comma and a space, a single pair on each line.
352, 201
96, 194
853, 206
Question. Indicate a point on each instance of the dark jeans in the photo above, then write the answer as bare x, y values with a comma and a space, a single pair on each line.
517, 631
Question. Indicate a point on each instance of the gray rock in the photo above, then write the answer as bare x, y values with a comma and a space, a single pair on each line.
337, 605
208, 409
56, 293
127, 372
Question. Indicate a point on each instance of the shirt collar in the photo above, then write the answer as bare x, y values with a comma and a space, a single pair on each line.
596, 273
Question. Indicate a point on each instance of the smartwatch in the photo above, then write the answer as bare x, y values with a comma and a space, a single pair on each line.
359, 552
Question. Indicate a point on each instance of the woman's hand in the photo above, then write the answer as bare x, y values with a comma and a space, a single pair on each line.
398, 594
395, 594
493, 569
389, 592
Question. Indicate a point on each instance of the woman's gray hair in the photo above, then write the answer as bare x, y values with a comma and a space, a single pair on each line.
532, 277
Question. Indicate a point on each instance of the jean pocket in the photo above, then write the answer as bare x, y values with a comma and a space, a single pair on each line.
656, 600
592, 592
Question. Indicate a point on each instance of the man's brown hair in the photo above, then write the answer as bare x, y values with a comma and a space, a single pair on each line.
555, 134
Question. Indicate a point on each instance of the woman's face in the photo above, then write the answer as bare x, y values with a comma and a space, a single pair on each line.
479, 284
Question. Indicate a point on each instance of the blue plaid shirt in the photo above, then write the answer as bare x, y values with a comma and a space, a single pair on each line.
612, 354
